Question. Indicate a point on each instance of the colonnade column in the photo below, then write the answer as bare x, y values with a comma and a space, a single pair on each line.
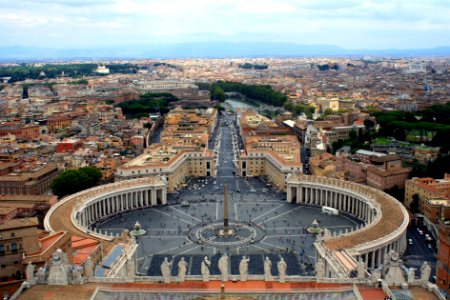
104, 207
164, 196
378, 257
95, 211
154, 200
299, 194
288, 194
373, 260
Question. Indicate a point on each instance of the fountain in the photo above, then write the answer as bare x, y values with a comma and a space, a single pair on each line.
315, 228
137, 231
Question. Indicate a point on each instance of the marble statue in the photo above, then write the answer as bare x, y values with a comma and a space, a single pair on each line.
77, 276
88, 268
425, 271
223, 266
131, 266
394, 275
29, 272
182, 268
282, 266
267, 269
125, 236
385, 263
41, 275
165, 270
361, 269
58, 273
206, 268
320, 268
243, 268
411, 275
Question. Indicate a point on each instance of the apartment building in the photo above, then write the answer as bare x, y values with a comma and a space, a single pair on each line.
426, 188
379, 171
183, 151
30, 131
265, 154
18, 237
443, 256
35, 181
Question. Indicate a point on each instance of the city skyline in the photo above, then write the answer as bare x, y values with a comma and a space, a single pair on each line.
346, 24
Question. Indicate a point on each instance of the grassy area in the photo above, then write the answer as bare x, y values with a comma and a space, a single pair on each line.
382, 141
417, 136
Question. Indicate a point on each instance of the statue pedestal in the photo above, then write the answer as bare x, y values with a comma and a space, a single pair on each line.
57, 276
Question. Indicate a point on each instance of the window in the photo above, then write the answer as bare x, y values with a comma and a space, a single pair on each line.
13, 246
13, 234
2, 248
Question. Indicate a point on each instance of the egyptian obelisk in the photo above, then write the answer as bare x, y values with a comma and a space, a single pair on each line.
225, 208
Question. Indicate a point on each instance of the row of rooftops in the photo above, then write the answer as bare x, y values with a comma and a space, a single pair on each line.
176, 140
30, 175
433, 185
283, 148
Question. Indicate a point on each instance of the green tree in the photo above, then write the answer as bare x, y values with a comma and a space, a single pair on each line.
149, 102
369, 124
328, 112
72, 181
219, 108
217, 93
289, 106
396, 192
337, 145
262, 93
438, 167
353, 136
93, 173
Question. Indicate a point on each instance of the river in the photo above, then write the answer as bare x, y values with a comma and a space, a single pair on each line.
236, 103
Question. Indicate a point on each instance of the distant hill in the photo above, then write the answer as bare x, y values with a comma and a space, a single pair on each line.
204, 50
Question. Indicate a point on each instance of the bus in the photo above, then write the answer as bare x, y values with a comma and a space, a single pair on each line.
330, 211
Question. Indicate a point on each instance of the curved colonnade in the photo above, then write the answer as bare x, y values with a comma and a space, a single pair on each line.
82, 209
386, 220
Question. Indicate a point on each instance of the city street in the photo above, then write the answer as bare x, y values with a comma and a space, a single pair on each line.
419, 251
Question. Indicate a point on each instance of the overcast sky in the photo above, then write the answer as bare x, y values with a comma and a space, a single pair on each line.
351, 24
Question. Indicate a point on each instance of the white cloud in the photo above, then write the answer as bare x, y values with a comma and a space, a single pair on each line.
347, 23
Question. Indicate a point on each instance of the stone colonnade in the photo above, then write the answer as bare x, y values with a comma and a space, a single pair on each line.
120, 201
356, 200
343, 200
